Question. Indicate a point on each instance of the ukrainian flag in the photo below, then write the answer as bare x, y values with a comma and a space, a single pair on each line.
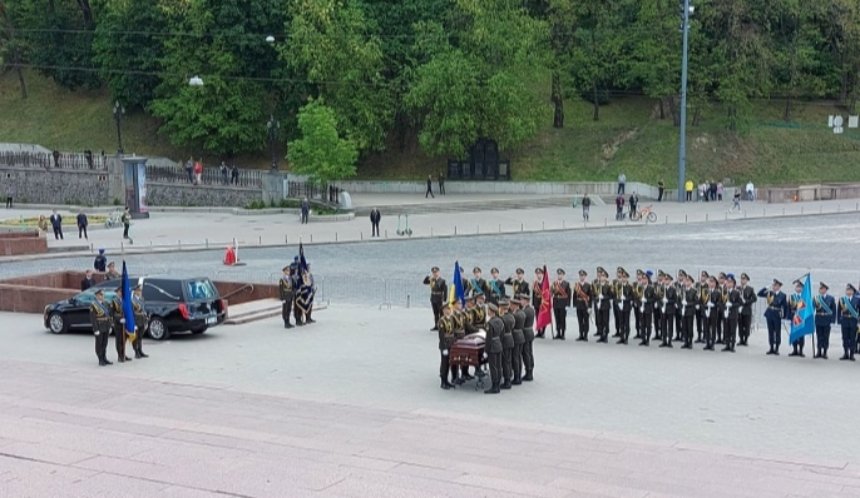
457, 292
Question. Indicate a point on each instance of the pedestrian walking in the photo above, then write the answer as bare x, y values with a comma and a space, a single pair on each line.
126, 224
57, 225
622, 183
688, 187
189, 169
720, 191
661, 187
713, 190
736, 202
225, 173
10, 194
750, 191
234, 175
198, 173
441, 183
429, 187
375, 217
586, 207
619, 207
634, 203
306, 210
82, 225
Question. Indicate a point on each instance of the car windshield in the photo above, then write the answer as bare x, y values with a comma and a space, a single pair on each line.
200, 289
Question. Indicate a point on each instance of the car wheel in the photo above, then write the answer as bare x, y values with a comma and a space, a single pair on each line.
57, 323
199, 331
158, 329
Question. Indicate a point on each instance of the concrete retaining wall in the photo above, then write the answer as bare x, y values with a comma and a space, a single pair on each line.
177, 194
530, 188
15, 243
57, 186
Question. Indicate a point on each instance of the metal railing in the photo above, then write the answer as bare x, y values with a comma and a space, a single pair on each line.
57, 160
326, 193
212, 175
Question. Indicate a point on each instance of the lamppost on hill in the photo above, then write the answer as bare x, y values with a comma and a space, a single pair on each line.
273, 126
118, 113
686, 11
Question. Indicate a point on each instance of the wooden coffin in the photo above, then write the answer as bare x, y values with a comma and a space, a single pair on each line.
468, 350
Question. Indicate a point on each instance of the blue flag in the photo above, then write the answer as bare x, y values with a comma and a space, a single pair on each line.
303, 264
803, 321
458, 291
127, 308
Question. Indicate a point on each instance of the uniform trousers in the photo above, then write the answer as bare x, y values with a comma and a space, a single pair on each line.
560, 313
774, 332
822, 333
849, 335
582, 321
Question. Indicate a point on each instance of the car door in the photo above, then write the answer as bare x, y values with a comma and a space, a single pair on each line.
78, 312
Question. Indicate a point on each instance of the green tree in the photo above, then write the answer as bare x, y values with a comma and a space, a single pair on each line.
12, 48
331, 44
321, 153
656, 62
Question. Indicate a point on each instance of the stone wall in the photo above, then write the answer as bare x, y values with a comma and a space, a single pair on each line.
57, 186
15, 243
178, 194
501, 187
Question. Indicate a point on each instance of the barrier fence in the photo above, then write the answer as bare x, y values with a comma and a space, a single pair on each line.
247, 178
58, 160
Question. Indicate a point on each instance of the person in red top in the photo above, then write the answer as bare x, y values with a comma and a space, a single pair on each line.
198, 172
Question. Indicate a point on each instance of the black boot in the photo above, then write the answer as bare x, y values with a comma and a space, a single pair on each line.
493, 390
445, 384
528, 377
845, 356
507, 384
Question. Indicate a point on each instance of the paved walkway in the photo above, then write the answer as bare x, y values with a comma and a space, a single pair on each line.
351, 407
172, 231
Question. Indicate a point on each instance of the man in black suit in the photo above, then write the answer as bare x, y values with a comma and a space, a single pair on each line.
375, 216
88, 281
57, 225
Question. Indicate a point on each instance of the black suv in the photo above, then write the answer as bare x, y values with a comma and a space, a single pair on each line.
173, 305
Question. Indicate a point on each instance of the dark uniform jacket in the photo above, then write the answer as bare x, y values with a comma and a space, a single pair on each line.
140, 317
601, 293
622, 294
508, 336
733, 303
844, 314
438, 289
748, 297
495, 330
777, 303
100, 317
714, 302
477, 319
116, 309
285, 287
518, 286
692, 297
582, 295
458, 320
519, 324
446, 333
560, 294
475, 286
670, 298
648, 299
529, 323
825, 310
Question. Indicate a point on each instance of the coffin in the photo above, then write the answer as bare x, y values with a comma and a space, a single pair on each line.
468, 350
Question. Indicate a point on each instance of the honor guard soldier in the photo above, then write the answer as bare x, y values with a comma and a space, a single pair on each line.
141, 321
721, 323
667, 311
477, 285
701, 322
616, 318
438, 293
689, 309
529, 336
795, 301
507, 343
459, 320
646, 306
731, 313
537, 296
848, 314
582, 302
496, 286
638, 288
493, 347
560, 291
477, 316
622, 295
285, 288
659, 295
825, 315
519, 341
777, 308
518, 283
446, 340
100, 317
120, 335
601, 293
712, 313
748, 298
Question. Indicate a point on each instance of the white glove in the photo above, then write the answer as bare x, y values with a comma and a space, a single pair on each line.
444, 352
665, 300
122, 320
97, 332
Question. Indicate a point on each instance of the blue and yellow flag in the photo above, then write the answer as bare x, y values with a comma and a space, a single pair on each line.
803, 321
457, 292
127, 308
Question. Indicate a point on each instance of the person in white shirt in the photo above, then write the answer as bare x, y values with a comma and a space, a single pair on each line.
750, 191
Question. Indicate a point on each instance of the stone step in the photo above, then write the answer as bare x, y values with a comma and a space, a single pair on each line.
474, 206
254, 311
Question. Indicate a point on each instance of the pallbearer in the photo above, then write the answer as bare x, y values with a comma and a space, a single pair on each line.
560, 291
825, 315
794, 303
849, 308
623, 298
601, 293
529, 335
582, 301
732, 305
748, 298
777, 308
446, 340
689, 309
519, 340
507, 343
493, 347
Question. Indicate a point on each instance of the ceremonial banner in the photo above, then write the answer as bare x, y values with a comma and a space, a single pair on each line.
127, 308
803, 321
303, 264
457, 292
544, 317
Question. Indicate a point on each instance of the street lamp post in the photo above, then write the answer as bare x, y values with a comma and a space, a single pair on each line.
682, 146
273, 126
118, 113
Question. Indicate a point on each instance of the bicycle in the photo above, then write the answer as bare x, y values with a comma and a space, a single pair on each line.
114, 220
646, 213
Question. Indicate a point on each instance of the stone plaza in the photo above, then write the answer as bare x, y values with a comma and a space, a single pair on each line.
350, 406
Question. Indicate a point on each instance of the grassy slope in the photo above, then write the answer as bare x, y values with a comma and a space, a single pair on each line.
628, 138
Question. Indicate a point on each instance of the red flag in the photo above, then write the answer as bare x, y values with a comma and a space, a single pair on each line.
544, 317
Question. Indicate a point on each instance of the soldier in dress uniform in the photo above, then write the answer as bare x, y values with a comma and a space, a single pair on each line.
646, 306
659, 295
285, 287
100, 317
477, 285
141, 321
794, 303
689, 309
496, 286
519, 340
701, 321
638, 288
507, 343
748, 298
712, 312
733, 306
848, 314
777, 308
582, 301
825, 315
120, 334
721, 308
518, 284
667, 310
537, 296
622, 296
616, 319
446, 340
459, 321
560, 291
679, 289
529, 336
601, 293
493, 347
438, 293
